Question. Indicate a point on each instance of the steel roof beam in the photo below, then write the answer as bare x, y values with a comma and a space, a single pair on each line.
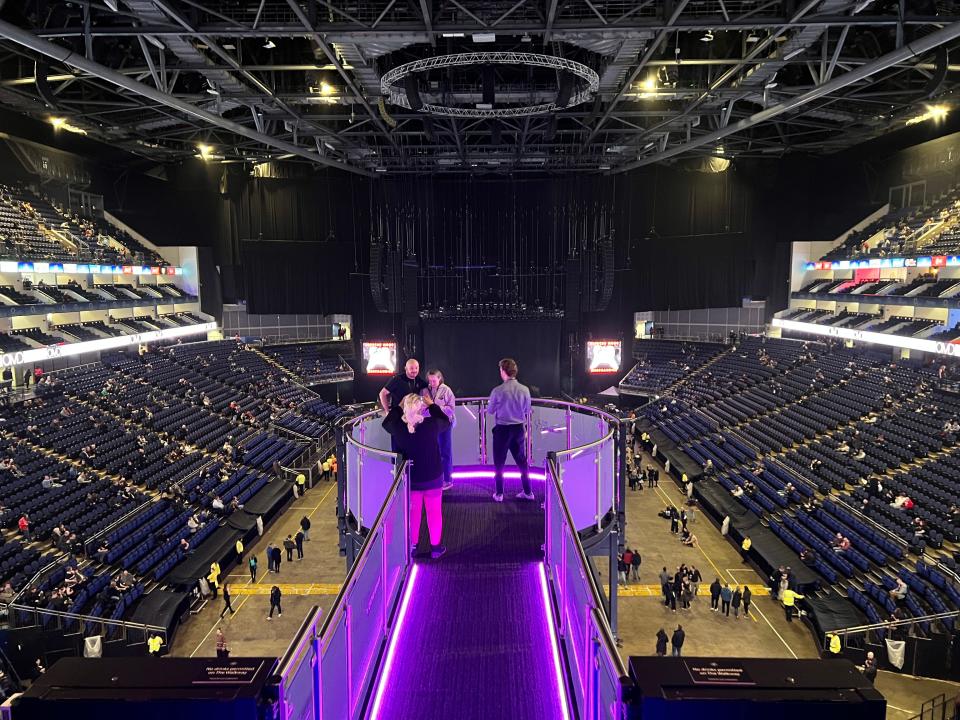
71, 59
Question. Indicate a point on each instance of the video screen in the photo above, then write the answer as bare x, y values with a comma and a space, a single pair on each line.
603, 356
380, 358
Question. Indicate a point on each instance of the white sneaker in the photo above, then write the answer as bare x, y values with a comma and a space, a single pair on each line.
524, 496
498, 497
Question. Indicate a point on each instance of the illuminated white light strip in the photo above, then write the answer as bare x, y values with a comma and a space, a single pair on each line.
391, 650
909, 343
555, 650
54, 351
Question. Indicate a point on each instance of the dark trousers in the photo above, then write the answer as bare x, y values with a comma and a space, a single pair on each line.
226, 606
788, 612
714, 601
289, 554
300, 551
746, 609
253, 574
445, 441
510, 437
725, 608
278, 608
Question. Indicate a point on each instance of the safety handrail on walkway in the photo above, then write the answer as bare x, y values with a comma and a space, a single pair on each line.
78, 617
858, 629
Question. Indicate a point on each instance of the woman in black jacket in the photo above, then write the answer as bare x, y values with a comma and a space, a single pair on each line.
415, 426
661, 642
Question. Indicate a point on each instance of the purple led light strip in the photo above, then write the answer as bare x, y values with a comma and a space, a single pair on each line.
554, 649
392, 648
481, 474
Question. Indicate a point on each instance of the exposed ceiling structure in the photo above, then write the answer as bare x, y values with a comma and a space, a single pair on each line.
252, 81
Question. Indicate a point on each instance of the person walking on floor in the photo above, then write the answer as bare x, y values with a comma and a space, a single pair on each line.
661, 643
277, 558
510, 406
664, 584
715, 589
289, 545
676, 641
226, 601
222, 650
275, 597
298, 539
674, 520
735, 602
415, 426
635, 565
252, 564
747, 595
726, 595
628, 561
305, 527
671, 598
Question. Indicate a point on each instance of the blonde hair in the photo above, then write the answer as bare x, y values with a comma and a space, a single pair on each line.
412, 415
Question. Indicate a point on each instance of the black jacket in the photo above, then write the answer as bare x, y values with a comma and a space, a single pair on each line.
678, 638
715, 589
661, 642
420, 447
275, 595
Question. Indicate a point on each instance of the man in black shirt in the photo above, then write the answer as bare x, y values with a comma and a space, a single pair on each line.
402, 384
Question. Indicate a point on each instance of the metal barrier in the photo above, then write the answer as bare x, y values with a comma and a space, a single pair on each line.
328, 671
583, 437
595, 669
26, 616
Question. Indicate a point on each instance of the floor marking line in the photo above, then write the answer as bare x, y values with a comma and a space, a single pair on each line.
243, 599
767, 620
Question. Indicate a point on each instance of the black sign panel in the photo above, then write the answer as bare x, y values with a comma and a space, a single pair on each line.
718, 672
231, 672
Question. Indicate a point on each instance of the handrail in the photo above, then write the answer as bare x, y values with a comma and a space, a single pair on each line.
898, 623
40, 573
126, 624
116, 523
553, 477
337, 607
876, 526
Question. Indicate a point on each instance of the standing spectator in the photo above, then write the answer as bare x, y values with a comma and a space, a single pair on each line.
676, 641
275, 597
443, 396
726, 595
735, 602
622, 571
664, 584
674, 520
213, 578
870, 668
269, 553
695, 579
747, 595
671, 597
509, 404
745, 548
239, 549
298, 539
635, 565
226, 601
628, 561
715, 589
252, 564
24, 525
154, 643
305, 527
222, 650
661, 643
289, 545
277, 558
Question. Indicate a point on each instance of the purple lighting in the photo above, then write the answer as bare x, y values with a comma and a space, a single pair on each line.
391, 650
488, 474
555, 651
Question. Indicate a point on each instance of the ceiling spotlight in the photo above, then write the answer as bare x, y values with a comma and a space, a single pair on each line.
484, 37
452, 35
793, 53
526, 38
57, 122
229, 46
326, 88
649, 85
60, 123
751, 38
206, 151
707, 36
937, 113
269, 44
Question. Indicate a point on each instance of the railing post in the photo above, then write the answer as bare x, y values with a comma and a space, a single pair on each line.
482, 410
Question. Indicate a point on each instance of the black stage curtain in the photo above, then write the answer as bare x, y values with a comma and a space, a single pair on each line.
296, 277
468, 353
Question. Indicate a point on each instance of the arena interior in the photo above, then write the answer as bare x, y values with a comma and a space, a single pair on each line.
479, 359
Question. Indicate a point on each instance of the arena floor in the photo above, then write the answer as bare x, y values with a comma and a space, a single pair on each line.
315, 581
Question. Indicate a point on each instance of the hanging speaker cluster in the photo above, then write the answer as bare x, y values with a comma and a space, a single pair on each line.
386, 278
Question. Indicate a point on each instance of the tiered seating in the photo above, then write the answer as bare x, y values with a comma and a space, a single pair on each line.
18, 298
660, 363
312, 362
38, 336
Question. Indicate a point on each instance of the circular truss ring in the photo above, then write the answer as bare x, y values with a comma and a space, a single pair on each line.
392, 89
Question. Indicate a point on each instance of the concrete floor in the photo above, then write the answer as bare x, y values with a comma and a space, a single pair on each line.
765, 634
247, 631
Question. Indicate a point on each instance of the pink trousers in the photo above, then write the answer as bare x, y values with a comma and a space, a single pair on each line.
431, 499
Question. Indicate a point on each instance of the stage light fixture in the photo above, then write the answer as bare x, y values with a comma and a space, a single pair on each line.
937, 113
707, 36
269, 44
206, 151
61, 123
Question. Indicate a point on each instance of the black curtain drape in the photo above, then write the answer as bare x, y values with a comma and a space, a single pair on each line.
289, 277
